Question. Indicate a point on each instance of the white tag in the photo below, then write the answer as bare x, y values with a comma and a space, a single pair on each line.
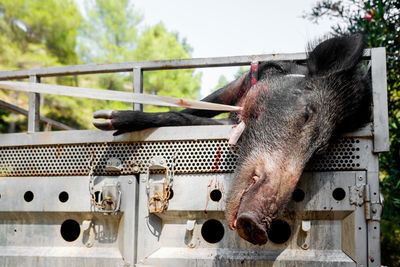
237, 133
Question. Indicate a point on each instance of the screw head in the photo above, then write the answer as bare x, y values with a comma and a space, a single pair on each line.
129, 181
360, 178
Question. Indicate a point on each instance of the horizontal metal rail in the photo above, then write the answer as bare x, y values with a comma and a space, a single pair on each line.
18, 110
154, 65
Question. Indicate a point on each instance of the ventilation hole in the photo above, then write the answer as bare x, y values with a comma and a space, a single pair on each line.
359, 228
339, 194
98, 197
171, 194
0, 196
63, 196
298, 195
216, 195
279, 232
212, 231
70, 230
28, 196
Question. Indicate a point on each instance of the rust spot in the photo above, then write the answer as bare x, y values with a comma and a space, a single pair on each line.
59, 150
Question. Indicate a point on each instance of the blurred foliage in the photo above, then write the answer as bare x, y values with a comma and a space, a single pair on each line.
41, 33
380, 20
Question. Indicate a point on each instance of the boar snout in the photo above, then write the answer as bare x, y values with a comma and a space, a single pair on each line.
249, 229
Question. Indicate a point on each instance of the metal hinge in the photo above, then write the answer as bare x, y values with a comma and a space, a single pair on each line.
361, 195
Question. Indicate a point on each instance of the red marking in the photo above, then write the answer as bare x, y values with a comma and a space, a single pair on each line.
254, 73
217, 158
183, 103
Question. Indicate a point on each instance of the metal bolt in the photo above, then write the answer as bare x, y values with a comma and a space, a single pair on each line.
360, 178
162, 161
89, 244
129, 181
374, 210
143, 180
136, 169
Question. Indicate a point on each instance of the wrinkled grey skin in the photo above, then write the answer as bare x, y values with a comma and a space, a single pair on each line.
288, 119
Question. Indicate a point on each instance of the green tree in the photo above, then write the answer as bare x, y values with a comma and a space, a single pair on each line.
157, 43
38, 33
34, 34
111, 33
379, 19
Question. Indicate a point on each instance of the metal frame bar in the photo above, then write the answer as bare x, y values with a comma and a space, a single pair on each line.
155, 65
376, 55
149, 65
379, 98
34, 108
16, 109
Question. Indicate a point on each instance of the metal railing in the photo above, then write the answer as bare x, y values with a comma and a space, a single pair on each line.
377, 56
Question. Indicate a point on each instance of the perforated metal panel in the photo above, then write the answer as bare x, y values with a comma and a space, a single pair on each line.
189, 157
197, 156
344, 154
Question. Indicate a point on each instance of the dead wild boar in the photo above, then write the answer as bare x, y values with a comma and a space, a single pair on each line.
290, 112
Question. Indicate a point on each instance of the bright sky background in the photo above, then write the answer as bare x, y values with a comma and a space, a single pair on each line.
232, 27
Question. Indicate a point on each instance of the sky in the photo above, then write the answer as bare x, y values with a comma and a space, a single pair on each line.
215, 28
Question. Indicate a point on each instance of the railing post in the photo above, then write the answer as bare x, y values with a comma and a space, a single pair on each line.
379, 98
34, 108
137, 86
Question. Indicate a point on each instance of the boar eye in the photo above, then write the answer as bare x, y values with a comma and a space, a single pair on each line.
308, 113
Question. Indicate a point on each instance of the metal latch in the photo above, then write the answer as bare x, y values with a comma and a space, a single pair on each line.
111, 197
108, 200
158, 187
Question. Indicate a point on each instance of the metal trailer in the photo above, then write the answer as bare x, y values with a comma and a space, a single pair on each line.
48, 217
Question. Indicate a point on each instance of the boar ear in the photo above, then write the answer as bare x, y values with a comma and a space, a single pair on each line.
336, 55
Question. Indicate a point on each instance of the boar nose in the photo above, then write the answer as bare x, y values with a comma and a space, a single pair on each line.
249, 229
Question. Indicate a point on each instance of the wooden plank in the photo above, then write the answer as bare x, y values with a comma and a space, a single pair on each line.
16, 109
379, 98
114, 95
